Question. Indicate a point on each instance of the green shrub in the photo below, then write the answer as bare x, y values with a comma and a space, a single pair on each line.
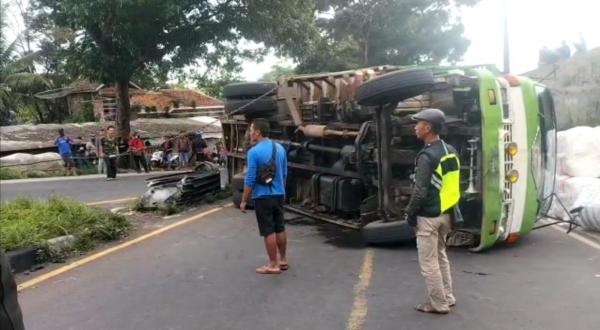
26, 222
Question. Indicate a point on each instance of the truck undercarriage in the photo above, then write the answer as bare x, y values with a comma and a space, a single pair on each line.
351, 164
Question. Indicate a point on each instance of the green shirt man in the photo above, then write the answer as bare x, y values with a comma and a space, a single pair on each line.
110, 151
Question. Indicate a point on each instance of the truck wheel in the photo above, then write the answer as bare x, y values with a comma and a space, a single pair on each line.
394, 87
237, 181
237, 199
244, 90
258, 108
379, 232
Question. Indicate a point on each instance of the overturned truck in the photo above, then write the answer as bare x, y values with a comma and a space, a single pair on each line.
351, 146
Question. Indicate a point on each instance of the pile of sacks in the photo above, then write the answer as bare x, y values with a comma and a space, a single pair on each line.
578, 175
47, 162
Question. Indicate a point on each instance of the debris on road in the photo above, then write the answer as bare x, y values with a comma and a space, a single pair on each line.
181, 189
59, 247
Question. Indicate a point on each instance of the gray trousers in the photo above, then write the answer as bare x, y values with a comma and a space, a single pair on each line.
101, 166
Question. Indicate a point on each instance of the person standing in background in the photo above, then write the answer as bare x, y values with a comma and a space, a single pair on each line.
136, 145
101, 163
184, 148
167, 148
109, 150
91, 152
199, 146
148, 153
64, 144
222, 153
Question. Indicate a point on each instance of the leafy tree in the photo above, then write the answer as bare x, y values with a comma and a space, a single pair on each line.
213, 84
277, 72
119, 38
18, 85
18, 80
376, 32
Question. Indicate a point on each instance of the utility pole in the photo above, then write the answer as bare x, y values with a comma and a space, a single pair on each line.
506, 49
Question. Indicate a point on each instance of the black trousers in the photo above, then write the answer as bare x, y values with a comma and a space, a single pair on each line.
111, 167
140, 159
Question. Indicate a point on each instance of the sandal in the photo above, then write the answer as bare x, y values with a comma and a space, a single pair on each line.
266, 270
284, 267
427, 308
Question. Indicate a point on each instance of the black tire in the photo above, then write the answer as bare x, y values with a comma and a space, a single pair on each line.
236, 197
258, 108
244, 90
394, 87
379, 232
237, 182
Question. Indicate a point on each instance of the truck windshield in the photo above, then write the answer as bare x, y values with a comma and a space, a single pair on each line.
544, 149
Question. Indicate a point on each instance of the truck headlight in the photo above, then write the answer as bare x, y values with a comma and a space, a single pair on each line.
512, 176
511, 148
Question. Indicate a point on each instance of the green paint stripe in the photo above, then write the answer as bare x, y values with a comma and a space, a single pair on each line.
491, 116
533, 124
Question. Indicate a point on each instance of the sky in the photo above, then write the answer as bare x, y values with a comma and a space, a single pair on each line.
533, 24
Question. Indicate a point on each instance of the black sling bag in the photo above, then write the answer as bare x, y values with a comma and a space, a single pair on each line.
266, 172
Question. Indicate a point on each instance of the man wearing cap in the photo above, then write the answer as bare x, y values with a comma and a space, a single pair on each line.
436, 192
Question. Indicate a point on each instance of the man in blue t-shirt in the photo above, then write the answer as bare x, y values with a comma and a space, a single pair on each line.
268, 197
64, 143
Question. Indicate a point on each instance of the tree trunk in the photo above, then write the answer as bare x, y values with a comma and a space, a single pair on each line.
123, 109
39, 113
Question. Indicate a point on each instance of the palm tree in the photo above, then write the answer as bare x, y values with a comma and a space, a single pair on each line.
19, 82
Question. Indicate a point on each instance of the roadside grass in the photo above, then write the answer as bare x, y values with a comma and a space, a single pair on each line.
25, 222
10, 174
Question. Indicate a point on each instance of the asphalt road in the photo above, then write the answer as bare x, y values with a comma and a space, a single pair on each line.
201, 276
90, 188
